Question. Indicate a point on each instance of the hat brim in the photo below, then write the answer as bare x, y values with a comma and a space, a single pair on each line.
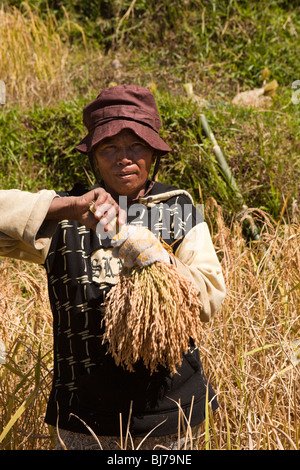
112, 128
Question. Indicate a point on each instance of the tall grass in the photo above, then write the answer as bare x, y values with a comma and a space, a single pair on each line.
35, 55
251, 345
25, 369
248, 350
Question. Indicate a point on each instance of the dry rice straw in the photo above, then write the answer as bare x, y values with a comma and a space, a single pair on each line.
150, 315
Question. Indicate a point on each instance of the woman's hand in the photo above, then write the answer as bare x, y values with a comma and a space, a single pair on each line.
138, 246
104, 209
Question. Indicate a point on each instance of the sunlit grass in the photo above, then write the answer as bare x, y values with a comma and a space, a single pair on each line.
25, 374
35, 55
251, 342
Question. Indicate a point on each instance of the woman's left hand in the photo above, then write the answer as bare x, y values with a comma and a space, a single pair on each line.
138, 246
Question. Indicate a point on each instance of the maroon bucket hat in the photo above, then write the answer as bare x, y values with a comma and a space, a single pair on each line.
122, 107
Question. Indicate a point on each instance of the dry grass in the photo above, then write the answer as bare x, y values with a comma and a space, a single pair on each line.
249, 346
25, 377
36, 56
247, 350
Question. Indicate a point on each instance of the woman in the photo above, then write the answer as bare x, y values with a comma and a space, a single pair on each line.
71, 234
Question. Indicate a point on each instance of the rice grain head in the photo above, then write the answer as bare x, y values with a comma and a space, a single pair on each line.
151, 314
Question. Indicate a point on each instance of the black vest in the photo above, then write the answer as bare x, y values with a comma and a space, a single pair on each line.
86, 382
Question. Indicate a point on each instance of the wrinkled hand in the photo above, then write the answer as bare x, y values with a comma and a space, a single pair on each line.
137, 245
104, 210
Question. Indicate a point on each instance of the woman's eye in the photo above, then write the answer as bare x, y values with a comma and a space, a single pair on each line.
109, 148
137, 146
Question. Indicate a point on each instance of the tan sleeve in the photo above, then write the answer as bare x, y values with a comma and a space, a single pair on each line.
24, 233
196, 259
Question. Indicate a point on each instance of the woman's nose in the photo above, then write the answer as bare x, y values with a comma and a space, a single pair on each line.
124, 157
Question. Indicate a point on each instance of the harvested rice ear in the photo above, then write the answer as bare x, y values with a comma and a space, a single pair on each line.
151, 314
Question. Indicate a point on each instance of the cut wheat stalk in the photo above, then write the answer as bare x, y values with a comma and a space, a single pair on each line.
151, 314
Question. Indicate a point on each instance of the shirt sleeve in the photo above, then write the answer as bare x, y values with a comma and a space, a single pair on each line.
24, 233
196, 259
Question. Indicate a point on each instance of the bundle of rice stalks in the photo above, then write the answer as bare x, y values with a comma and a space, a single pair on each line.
151, 314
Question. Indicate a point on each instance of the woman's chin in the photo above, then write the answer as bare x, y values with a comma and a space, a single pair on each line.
128, 189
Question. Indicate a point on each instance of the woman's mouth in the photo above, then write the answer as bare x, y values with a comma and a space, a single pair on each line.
125, 176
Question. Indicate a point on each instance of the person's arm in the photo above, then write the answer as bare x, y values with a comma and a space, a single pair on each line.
105, 209
22, 233
196, 259
29, 220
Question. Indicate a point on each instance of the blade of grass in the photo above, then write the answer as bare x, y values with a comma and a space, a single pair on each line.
17, 414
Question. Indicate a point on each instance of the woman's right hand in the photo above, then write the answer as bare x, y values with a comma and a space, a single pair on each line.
104, 209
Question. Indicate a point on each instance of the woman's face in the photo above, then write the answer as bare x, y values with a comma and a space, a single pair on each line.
124, 162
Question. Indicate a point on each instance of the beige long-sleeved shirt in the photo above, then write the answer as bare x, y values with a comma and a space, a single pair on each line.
25, 235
